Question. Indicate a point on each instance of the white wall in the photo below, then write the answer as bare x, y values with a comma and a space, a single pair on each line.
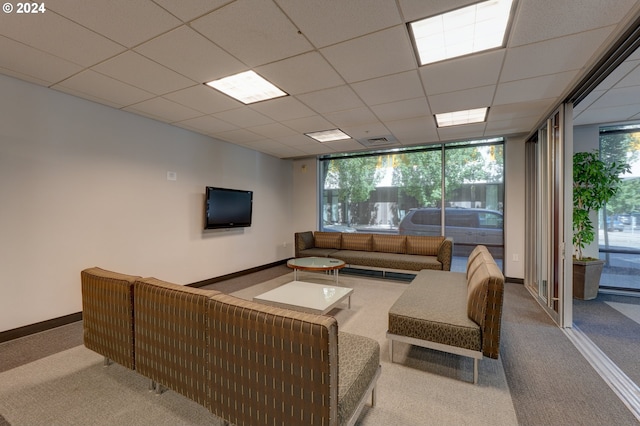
82, 185
514, 208
305, 196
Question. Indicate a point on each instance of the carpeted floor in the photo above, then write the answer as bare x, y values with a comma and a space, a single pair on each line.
540, 379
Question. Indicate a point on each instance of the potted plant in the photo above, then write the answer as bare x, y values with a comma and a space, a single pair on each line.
594, 183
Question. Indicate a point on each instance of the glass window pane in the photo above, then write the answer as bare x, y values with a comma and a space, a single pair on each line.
619, 221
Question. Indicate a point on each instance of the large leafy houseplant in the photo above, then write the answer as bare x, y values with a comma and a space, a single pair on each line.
594, 183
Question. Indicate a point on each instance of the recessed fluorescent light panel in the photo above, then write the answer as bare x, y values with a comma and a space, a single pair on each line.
247, 87
329, 135
457, 118
471, 29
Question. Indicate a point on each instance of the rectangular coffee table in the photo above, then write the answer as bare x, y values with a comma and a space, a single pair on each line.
306, 297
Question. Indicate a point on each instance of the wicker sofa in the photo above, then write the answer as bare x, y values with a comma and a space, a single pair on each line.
242, 360
455, 312
378, 251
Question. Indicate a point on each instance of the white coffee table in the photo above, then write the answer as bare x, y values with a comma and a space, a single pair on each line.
306, 297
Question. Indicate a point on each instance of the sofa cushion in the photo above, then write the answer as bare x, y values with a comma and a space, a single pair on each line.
362, 242
389, 243
317, 252
374, 259
424, 245
330, 240
433, 308
359, 360
304, 240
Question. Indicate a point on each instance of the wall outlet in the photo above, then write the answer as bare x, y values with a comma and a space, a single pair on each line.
516, 258
172, 176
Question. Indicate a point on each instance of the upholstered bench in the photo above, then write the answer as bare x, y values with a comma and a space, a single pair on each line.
455, 312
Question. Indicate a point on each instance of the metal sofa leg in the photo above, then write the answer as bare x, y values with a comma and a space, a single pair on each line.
152, 385
373, 397
391, 350
106, 362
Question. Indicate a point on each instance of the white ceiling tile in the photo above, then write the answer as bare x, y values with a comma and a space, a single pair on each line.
33, 65
99, 86
352, 117
327, 22
550, 19
188, 10
118, 20
138, 71
630, 79
207, 125
511, 126
413, 10
371, 130
298, 140
413, 131
301, 73
461, 132
401, 110
618, 97
281, 109
255, 31
391, 88
58, 36
192, 55
520, 110
531, 89
239, 136
309, 124
317, 149
203, 98
375, 55
615, 114
462, 100
273, 130
243, 117
558, 55
345, 145
164, 109
331, 100
468, 72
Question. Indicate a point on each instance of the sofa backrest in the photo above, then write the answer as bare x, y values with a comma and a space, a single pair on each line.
270, 365
303, 241
171, 335
107, 314
485, 293
424, 244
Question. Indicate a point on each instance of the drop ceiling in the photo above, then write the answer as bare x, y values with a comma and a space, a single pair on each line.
345, 64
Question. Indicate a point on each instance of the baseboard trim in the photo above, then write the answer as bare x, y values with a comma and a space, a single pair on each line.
514, 280
27, 330
214, 280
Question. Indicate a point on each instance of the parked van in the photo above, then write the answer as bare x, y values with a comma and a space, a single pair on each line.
467, 227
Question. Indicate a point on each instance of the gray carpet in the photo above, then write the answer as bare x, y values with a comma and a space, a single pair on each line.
617, 335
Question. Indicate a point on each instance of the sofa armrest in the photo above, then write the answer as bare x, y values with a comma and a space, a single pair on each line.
303, 241
445, 252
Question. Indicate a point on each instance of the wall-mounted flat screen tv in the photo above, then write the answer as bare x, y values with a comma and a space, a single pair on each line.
227, 208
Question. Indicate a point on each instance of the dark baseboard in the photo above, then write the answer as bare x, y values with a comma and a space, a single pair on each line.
26, 330
514, 280
214, 280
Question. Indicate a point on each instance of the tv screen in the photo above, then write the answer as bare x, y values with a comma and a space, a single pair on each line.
227, 208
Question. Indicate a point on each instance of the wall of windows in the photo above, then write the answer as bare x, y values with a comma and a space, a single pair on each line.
403, 192
619, 221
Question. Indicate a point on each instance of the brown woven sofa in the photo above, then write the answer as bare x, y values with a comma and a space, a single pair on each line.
378, 251
246, 362
455, 312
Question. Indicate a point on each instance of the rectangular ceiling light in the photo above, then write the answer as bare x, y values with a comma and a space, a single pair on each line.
471, 29
329, 135
247, 87
457, 118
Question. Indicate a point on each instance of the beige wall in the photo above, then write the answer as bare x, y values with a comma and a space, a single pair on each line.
82, 184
